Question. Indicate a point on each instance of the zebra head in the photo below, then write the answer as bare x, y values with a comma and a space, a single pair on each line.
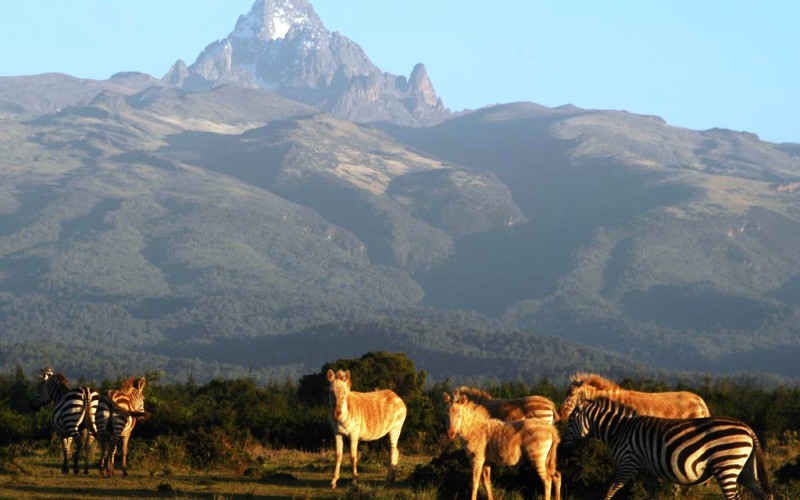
454, 413
579, 424
339, 393
137, 395
48, 388
46, 373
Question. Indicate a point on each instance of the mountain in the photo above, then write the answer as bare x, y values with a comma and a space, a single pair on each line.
281, 203
674, 246
283, 46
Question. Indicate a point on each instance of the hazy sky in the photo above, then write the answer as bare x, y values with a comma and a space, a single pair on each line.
698, 64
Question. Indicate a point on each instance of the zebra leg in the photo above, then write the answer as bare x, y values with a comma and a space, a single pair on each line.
125, 439
354, 455
726, 478
540, 463
621, 476
651, 486
541, 468
112, 453
477, 467
76, 455
753, 476
66, 445
89, 445
103, 457
487, 481
394, 436
339, 450
556, 477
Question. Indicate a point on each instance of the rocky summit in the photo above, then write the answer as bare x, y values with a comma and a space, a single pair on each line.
283, 46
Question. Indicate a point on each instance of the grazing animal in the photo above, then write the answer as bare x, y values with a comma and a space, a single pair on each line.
682, 404
536, 407
682, 451
72, 417
491, 441
363, 415
117, 413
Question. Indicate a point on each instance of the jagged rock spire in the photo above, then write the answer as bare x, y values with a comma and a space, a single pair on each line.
283, 46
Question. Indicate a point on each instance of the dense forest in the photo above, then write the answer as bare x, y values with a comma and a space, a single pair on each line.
211, 424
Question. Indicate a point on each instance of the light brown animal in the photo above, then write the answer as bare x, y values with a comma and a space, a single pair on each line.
536, 407
492, 441
681, 404
363, 415
116, 416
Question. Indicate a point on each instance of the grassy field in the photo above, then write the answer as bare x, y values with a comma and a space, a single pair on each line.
280, 474
277, 474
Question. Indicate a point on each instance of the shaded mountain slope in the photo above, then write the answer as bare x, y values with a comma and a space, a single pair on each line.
674, 245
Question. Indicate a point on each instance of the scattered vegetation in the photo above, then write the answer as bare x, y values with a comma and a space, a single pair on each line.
276, 436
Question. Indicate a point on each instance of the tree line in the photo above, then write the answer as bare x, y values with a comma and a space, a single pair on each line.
210, 424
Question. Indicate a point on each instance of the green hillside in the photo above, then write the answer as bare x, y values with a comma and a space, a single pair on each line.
235, 231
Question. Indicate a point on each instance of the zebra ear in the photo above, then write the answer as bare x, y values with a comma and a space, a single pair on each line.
140, 384
447, 398
331, 375
460, 398
347, 376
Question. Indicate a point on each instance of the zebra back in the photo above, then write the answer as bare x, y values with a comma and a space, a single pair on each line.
72, 407
118, 410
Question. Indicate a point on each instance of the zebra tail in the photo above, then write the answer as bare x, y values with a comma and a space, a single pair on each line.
761, 467
88, 414
552, 457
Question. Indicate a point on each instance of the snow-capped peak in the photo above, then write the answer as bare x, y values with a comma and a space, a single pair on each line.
272, 19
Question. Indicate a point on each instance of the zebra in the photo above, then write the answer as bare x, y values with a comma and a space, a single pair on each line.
72, 417
683, 451
117, 413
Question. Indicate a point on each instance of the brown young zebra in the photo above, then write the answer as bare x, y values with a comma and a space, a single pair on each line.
117, 414
536, 407
363, 415
681, 404
492, 441
682, 451
72, 417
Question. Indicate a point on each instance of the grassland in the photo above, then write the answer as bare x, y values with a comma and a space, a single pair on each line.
277, 474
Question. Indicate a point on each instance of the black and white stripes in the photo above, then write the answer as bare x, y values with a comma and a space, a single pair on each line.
73, 414
683, 451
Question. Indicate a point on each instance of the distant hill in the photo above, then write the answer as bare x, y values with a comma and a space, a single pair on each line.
202, 224
676, 246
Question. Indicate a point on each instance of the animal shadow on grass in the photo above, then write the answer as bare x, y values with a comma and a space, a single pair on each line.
68, 492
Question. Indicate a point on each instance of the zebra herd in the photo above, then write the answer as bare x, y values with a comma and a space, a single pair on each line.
82, 414
667, 435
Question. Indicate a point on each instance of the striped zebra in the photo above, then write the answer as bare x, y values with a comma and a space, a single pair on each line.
677, 404
117, 413
682, 451
536, 407
489, 441
72, 417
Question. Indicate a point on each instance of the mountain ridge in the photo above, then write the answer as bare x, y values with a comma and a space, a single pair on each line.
184, 222
283, 46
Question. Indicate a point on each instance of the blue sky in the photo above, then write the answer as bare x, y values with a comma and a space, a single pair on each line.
732, 64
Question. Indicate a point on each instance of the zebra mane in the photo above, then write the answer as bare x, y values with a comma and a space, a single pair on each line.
474, 407
594, 380
127, 386
472, 393
61, 379
613, 406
